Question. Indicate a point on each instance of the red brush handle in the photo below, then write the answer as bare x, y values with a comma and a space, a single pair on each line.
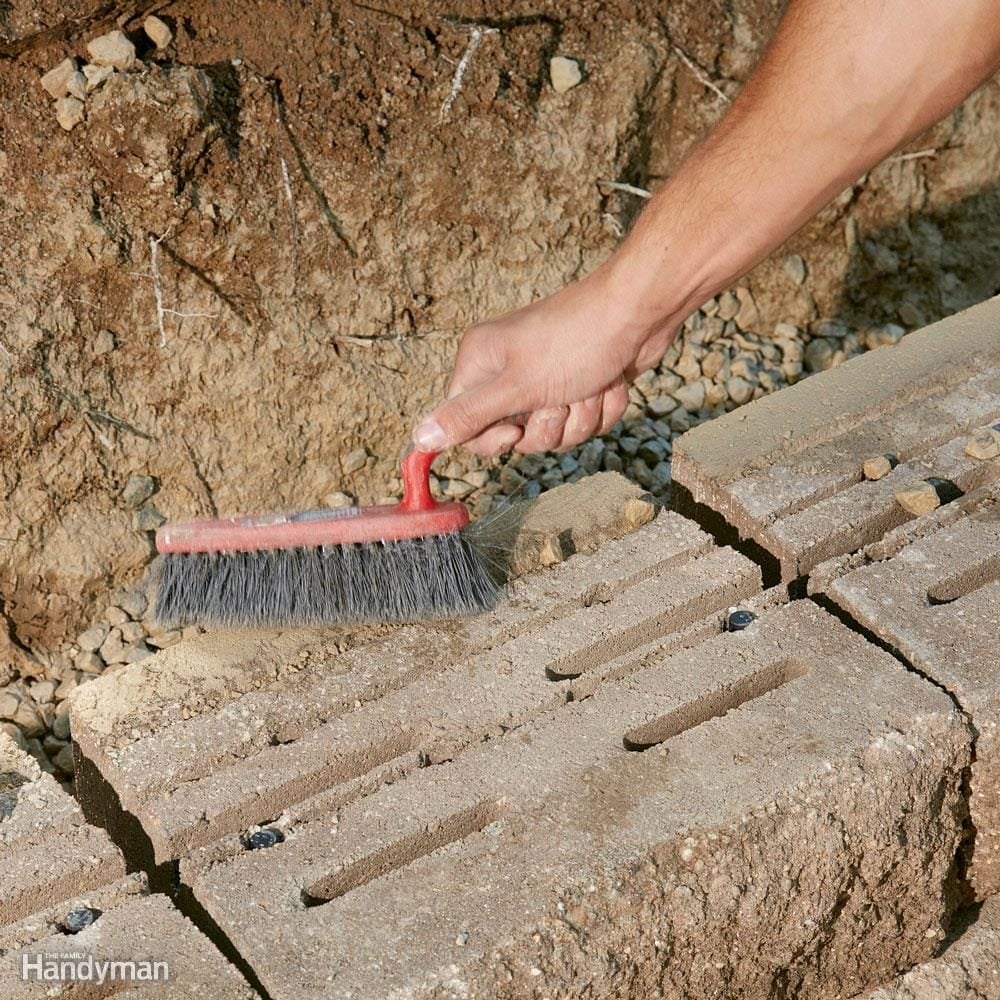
416, 481
417, 516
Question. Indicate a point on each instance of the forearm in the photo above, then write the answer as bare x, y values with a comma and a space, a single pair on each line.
843, 83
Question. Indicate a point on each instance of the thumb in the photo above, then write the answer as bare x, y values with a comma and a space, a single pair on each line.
466, 415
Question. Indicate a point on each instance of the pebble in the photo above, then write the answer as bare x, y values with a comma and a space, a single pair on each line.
918, 498
113, 49
338, 500
139, 651
662, 405
165, 639
77, 86
456, 489
739, 389
113, 650
67, 686
28, 719
89, 663
90, 641
795, 268
565, 73
877, 468
157, 31
115, 616
692, 396
43, 691
95, 76
10, 701
819, 354
15, 734
60, 726
660, 479
137, 491
56, 81
147, 518
354, 461
511, 480
747, 316
729, 306
64, 759
132, 632
984, 444
477, 478
910, 315
69, 112
612, 461
592, 452
132, 602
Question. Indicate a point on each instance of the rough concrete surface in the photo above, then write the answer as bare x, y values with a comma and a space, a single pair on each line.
47, 852
140, 928
214, 735
51, 864
937, 600
786, 471
968, 970
790, 830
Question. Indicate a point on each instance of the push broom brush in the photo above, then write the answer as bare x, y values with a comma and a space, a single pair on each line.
388, 563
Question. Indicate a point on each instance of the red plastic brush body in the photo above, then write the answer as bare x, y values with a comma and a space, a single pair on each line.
416, 516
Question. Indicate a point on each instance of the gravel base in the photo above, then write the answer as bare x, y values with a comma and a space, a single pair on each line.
718, 362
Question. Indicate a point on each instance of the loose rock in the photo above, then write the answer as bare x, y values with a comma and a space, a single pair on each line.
90, 641
115, 616
739, 389
137, 491
77, 85
158, 31
877, 468
148, 518
918, 498
113, 49
819, 354
354, 461
565, 73
10, 701
691, 397
69, 112
95, 76
795, 268
335, 501
56, 81
984, 444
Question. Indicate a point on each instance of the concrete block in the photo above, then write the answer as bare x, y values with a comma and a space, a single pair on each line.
772, 812
48, 853
787, 470
138, 929
935, 598
968, 970
195, 753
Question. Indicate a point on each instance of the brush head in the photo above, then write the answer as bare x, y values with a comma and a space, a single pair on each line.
439, 576
389, 563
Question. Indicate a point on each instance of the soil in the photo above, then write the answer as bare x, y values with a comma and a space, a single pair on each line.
324, 226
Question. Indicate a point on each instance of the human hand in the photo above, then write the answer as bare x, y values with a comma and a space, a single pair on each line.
563, 361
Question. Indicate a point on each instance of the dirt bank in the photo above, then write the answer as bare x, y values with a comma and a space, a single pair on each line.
318, 210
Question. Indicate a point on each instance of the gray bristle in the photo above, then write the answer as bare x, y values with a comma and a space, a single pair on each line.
439, 576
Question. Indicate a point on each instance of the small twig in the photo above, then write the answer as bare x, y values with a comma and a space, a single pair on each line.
627, 188
286, 177
699, 74
476, 35
919, 154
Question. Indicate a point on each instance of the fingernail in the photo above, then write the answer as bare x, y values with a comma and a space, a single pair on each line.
429, 435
